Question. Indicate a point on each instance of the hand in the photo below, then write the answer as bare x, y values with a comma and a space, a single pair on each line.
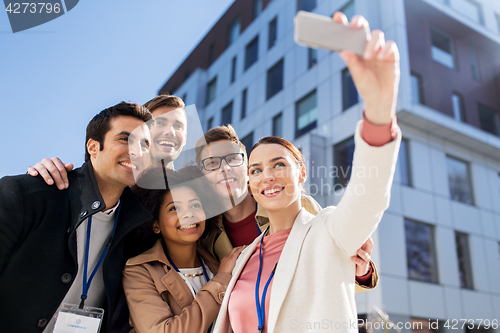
52, 167
227, 263
362, 259
375, 74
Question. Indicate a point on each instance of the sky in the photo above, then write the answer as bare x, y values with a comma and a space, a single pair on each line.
55, 77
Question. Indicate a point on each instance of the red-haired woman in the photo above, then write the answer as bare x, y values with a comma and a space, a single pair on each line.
298, 276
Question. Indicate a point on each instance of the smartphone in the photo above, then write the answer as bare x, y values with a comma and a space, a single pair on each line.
318, 31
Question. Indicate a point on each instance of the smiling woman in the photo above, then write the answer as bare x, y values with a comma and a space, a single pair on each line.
176, 286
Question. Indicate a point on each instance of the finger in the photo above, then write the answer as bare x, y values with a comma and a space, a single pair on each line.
63, 175
42, 171
389, 52
69, 167
374, 45
368, 245
363, 255
339, 17
54, 171
32, 171
358, 21
359, 262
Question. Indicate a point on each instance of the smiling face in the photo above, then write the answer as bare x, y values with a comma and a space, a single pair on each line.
112, 165
168, 133
227, 180
181, 218
139, 144
275, 177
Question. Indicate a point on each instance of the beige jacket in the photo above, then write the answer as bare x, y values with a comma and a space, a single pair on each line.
217, 243
314, 279
160, 301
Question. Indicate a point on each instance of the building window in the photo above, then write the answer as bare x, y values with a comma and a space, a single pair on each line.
312, 57
474, 64
210, 123
186, 74
420, 251
244, 104
498, 22
343, 153
257, 8
307, 5
458, 107
274, 79
349, 91
459, 179
442, 48
470, 9
248, 142
273, 32
227, 114
417, 95
184, 97
278, 125
348, 10
211, 86
404, 163
251, 52
464, 263
211, 54
488, 120
233, 70
306, 114
233, 31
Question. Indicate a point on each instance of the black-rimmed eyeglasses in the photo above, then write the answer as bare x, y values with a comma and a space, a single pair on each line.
213, 163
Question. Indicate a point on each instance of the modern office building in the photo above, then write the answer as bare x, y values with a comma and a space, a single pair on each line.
438, 246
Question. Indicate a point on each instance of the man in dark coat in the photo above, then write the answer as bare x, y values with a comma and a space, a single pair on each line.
43, 231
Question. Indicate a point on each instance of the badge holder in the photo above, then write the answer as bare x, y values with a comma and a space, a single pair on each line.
71, 319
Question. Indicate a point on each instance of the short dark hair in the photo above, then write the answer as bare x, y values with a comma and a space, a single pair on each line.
101, 123
217, 134
157, 177
164, 100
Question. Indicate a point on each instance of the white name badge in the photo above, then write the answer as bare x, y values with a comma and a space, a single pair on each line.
71, 319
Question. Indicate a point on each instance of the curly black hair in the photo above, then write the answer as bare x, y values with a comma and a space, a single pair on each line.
156, 182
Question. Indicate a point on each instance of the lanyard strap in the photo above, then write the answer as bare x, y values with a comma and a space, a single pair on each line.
177, 270
257, 222
261, 312
86, 283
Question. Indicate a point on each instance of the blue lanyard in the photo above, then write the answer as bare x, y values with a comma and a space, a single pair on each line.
261, 306
177, 270
256, 222
86, 283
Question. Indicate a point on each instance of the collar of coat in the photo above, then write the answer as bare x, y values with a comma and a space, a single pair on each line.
156, 254
86, 200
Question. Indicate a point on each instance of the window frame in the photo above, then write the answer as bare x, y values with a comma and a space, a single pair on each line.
348, 83
469, 180
432, 255
272, 35
452, 47
466, 260
278, 122
270, 93
254, 41
227, 110
312, 125
209, 84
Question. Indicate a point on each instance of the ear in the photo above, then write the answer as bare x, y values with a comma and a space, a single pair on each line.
93, 147
156, 227
303, 174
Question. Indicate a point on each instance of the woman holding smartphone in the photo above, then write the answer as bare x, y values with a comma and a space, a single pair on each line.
176, 286
298, 275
